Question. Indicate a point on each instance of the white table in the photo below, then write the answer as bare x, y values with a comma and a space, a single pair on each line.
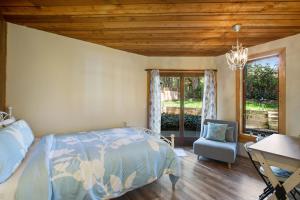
280, 151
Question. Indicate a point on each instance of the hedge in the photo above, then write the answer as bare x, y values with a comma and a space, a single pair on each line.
171, 122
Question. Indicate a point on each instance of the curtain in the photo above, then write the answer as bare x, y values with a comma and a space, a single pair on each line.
209, 97
155, 109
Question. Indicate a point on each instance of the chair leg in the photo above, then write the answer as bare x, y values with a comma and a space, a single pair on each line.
229, 165
267, 191
295, 193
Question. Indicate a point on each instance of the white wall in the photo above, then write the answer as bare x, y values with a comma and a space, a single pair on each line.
226, 90
226, 82
226, 78
181, 62
227, 93
59, 84
292, 45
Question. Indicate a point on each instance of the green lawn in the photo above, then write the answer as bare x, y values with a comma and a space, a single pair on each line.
187, 104
251, 105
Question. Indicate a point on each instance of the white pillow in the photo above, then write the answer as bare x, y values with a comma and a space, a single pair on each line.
15, 141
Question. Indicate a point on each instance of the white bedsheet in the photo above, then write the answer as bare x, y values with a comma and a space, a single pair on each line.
9, 187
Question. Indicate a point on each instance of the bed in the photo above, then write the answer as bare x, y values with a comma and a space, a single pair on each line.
100, 164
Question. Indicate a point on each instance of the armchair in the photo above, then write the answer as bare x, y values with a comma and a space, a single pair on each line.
222, 151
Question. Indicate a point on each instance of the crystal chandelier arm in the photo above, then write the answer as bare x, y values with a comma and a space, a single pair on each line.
237, 40
238, 56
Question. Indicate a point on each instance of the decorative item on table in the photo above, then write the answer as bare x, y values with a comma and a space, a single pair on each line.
6, 118
259, 137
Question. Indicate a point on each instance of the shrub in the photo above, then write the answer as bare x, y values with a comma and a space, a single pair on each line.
192, 122
171, 122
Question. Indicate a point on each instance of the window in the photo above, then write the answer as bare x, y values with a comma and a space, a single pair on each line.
261, 103
181, 104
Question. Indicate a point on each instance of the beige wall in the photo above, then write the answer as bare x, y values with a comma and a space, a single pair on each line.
181, 62
59, 84
226, 82
226, 90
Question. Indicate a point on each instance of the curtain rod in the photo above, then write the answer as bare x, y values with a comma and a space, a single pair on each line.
182, 70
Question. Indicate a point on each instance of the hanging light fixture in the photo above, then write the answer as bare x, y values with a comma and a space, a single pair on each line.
238, 55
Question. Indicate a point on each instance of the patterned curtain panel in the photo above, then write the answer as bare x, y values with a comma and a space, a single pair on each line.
209, 97
155, 109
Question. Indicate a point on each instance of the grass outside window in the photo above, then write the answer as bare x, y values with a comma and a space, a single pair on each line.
187, 104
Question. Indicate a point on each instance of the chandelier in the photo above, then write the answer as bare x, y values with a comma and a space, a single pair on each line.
238, 55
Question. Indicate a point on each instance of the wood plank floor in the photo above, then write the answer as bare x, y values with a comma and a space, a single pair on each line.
205, 179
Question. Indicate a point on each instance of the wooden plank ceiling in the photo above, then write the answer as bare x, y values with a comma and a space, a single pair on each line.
160, 27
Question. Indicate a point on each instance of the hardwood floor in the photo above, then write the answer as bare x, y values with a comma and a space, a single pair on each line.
204, 180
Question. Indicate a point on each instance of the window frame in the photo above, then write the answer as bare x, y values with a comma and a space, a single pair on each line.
181, 74
240, 90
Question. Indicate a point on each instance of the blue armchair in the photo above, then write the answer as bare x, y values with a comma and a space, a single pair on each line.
222, 151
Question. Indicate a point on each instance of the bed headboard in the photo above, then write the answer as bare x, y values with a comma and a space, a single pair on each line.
6, 118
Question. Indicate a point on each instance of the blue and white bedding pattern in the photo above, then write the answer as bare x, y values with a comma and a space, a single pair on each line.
95, 165
15, 140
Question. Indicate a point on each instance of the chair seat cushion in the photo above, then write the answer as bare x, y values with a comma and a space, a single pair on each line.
223, 151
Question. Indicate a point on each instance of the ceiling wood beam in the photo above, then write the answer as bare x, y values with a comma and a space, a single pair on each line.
99, 18
294, 24
115, 2
160, 9
170, 36
176, 43
191, 30
160, 27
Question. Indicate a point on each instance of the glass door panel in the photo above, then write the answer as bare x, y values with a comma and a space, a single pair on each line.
193, 91
170, 105
181, 106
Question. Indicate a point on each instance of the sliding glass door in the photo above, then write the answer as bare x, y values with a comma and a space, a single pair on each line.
193, 87
170, 105
181, 104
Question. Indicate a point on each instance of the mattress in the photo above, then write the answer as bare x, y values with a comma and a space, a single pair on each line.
9, 187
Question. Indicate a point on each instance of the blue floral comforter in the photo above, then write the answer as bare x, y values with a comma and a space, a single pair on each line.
95, 165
